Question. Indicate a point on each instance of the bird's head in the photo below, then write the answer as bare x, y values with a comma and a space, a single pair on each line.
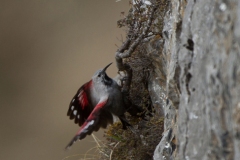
101, 77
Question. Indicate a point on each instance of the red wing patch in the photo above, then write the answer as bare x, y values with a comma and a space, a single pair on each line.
98, 118
82, 97
80, 108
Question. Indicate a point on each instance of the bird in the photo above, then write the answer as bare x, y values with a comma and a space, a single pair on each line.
95, 104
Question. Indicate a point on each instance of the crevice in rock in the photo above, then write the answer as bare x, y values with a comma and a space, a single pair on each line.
188, 78
189, 45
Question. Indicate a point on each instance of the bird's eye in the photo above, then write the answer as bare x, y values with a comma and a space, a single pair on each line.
99, 75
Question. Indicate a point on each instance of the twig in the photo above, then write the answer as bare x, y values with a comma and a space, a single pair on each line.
112, 151
131, 43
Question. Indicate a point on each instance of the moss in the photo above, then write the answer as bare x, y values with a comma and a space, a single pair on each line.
126, 144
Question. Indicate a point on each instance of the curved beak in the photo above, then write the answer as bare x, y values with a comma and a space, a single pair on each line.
105, 68
105, 78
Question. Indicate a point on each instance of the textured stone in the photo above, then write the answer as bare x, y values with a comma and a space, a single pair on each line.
202, 53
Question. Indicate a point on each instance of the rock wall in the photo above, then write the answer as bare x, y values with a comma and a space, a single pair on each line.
202, 90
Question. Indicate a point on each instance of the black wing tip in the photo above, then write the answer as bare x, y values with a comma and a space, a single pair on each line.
74, 140
67, 148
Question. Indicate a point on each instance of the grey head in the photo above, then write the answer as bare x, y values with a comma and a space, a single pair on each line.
101, 78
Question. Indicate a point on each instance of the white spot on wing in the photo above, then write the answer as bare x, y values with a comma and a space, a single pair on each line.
73, 100
72, 107
75, 112
78, 116
89, 123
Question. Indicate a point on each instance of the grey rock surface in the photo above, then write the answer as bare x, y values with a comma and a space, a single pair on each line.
202, 55
164, 149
